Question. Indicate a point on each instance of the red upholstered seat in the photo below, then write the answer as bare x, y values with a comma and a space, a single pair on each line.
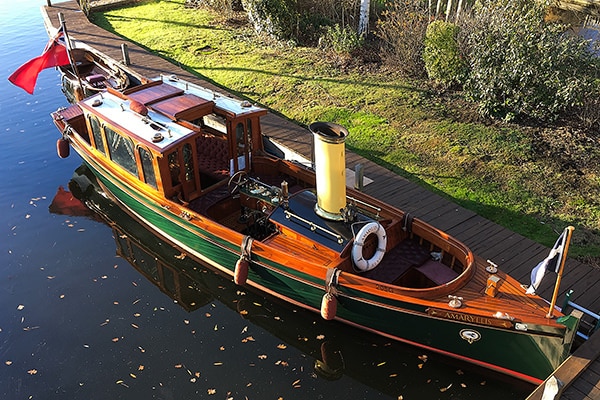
213, 156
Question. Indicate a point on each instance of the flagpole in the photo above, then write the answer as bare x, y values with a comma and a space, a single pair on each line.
63, 26
563, 259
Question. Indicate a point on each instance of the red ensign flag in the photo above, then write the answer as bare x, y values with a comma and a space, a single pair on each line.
54, 55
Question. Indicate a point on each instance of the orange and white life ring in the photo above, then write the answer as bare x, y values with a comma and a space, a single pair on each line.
357, 250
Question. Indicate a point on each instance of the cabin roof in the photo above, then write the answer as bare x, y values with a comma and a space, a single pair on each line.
115, 111
229, 105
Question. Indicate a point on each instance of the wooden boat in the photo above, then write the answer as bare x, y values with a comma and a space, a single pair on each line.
191, 165
332, 351
93, 72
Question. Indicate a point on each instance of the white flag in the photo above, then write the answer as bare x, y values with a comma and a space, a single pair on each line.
553, 259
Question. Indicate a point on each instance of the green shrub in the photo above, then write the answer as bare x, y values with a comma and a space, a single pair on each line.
341, 40
441, 54
401, 28
276, 18
521, 66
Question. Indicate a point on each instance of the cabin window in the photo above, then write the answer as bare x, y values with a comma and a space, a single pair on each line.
188, 162
147, 167
97, 134
174, 168
239, 138
121, 150
249, 133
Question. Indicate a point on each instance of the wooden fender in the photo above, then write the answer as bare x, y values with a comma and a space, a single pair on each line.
240, 274
328, 306
357, 250
62, 148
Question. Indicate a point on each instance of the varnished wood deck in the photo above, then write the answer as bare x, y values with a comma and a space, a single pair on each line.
513, 253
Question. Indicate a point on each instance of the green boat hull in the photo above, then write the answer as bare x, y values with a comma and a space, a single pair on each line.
524, 354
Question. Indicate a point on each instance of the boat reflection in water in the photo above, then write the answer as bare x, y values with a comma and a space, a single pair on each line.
337, 350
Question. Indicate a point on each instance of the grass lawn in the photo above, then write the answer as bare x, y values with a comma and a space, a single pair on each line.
493, 169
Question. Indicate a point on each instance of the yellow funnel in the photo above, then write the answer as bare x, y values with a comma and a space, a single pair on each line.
330, 169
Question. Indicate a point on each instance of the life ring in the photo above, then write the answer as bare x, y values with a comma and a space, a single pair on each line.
357, 250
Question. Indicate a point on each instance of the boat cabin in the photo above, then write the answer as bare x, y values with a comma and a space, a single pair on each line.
178, 141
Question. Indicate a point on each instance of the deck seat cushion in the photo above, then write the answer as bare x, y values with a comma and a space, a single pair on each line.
213, 157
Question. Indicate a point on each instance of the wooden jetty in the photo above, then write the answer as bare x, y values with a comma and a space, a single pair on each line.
578, 378
512, 252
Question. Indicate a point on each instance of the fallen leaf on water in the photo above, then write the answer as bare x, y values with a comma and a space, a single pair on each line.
463, 385
459, 372
115, 339
141, 349
207, 315
8, 362
423, 357
445, 388
135, 326
248, 339
30, 328
106, 321
193, 380
137, 315
27, 216
133, 376
257, 304
281, 346
141, 368
262, 356
181, 256
320, 337
243, 312
420, 366
32, 371
185, 321
381, 363
136, 301
217, 363
20, 307
62, 296
393, 375
178, 366
50, 277
211, 391
483, 383
222, 348
197, 374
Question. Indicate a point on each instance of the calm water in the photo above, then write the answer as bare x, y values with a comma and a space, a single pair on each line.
79, 322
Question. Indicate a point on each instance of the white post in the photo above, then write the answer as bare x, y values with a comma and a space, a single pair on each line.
363, 24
